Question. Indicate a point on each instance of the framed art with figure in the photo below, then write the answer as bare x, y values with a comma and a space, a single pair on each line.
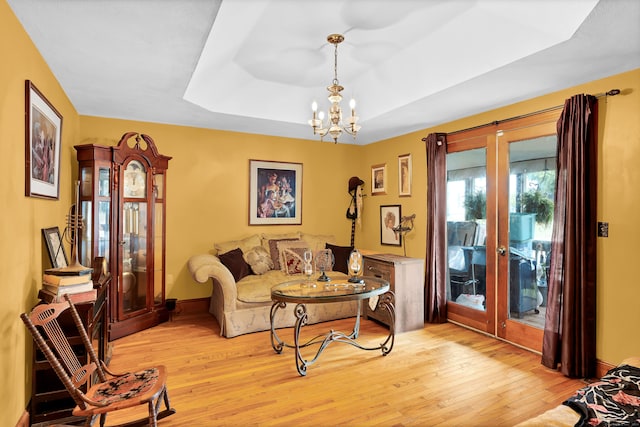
42, 149
378, 179
275, 193
55, 248
390, 219
404, 175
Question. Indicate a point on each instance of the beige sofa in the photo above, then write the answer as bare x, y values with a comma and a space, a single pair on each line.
243, 306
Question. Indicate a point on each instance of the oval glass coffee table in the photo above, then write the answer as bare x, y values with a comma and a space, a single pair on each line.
304, 291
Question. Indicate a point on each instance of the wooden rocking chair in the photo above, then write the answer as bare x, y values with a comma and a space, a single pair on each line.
111, 392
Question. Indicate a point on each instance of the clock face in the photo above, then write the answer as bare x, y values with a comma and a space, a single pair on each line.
135, 180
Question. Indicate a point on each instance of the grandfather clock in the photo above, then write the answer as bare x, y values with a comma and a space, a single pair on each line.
123, 202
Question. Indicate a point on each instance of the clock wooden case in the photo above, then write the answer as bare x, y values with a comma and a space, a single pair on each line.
123, 203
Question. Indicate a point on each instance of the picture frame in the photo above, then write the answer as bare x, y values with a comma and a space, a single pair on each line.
379, 179
55, 248
43, 132
405, 173
389, 219
275, 193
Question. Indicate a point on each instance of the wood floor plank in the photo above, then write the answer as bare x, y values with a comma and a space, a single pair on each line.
442, 375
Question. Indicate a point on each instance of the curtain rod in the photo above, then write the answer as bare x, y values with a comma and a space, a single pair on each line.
612, 92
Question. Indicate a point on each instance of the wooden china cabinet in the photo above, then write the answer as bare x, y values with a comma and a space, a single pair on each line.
123, 203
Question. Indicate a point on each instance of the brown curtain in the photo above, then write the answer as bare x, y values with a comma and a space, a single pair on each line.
570, 328
435, 305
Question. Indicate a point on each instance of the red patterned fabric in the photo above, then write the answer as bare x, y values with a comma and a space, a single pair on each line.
126, 386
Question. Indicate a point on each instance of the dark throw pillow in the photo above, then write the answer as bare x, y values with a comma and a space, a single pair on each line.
341, 257
236, 264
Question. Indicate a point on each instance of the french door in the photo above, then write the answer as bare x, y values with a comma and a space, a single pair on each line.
500, 192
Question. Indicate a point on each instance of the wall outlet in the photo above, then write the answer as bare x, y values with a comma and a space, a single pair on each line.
603, 229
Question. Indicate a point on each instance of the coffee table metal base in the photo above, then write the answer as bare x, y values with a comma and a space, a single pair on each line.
385, 302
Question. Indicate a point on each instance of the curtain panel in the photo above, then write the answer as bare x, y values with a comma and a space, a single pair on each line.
436, 254
570, 327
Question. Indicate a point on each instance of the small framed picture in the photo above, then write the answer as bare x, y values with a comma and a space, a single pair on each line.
379, 179
389, 221
275, 193
404, 175
55, 248
42, 152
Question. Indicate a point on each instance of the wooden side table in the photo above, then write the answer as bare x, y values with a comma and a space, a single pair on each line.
406, 280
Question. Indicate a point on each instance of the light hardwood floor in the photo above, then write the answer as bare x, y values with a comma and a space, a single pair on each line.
442, 375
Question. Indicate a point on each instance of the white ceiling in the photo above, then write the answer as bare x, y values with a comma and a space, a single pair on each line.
256, 65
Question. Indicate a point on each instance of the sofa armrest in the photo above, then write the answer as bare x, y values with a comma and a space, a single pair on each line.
205, 266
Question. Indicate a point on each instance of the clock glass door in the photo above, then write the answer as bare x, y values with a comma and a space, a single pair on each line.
133, 242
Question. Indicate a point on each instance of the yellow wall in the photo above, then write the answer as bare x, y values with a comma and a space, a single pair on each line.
22, 251
207, 197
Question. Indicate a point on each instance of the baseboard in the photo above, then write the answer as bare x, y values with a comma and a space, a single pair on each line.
192, 306
24, 420
602, 368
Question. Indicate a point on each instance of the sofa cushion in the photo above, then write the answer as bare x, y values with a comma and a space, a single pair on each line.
259, 260
236, 264
244, 244
257, 289
275, 252
297, 246
341, 257
317, 241
265, 237
292, 261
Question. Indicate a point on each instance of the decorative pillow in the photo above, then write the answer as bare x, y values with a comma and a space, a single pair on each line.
317, 241
259, 260
236, 264
245, 244
341, 256
297, 246
293, 260
275, 253
266, 237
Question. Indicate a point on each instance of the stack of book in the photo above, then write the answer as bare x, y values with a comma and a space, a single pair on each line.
79, 287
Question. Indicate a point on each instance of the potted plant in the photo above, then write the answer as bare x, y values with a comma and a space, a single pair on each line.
475, 205
534, 201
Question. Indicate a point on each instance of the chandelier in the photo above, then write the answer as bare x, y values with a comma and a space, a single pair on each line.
334, 125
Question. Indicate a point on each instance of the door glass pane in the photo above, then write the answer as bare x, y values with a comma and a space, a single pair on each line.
466, 227
158, 272
103, 230
532, 182
134, 257
86, 244
103, 182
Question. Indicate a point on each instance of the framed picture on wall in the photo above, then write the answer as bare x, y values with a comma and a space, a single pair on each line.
275, 193
390, 219
42, 151
55, 248
404, 175
378, 179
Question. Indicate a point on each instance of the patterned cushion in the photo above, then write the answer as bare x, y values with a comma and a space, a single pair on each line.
259, 260
275, 253
317, 241
292, 261
125, 387
297, 246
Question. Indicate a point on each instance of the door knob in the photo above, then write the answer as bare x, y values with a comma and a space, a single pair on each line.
501, 250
